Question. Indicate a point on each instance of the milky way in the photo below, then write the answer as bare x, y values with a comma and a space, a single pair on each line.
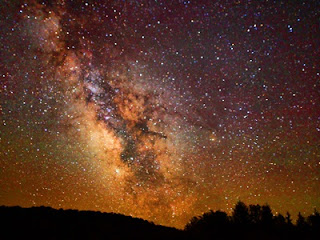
160, 109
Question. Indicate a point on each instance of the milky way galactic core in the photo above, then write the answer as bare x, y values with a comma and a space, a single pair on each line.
160, 109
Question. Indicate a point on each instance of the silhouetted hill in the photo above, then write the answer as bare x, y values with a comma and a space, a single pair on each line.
49, 223
246, 222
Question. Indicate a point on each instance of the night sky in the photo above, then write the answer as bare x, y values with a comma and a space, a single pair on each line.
161, 110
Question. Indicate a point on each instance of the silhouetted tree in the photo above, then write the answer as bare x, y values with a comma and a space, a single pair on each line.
255, 213
192, 223
314, 219
301, 221
240, 214
288, 219
314, 222
266, 215
280, 220
212, 223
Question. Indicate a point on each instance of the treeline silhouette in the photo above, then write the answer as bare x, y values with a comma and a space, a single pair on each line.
245, 222
253, 222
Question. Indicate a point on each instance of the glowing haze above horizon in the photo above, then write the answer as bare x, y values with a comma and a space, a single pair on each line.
161, 110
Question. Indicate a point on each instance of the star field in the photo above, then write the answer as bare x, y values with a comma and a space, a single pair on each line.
160, 109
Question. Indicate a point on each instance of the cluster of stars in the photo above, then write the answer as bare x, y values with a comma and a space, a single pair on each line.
160, 109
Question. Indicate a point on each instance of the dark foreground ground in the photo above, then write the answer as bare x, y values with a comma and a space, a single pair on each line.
49, 223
